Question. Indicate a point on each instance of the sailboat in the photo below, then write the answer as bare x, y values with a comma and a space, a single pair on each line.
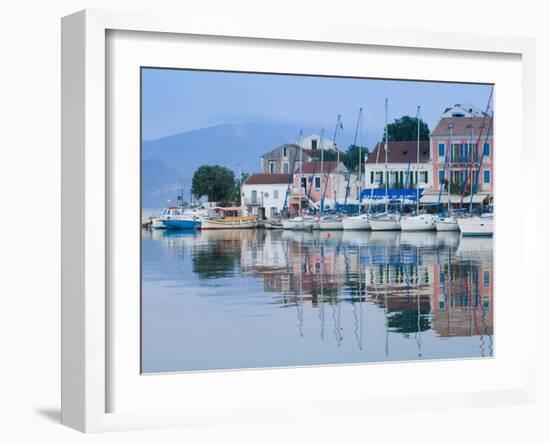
418, 221
386, 220
476, 225
359, 221
331, 222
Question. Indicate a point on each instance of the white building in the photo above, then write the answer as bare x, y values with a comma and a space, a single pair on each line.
264, 193
402, 169
315, 142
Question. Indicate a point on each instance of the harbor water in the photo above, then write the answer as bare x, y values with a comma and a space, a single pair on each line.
254, 298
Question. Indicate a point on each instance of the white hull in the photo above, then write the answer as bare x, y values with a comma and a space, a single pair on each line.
476, 226
355, 223
330, 225
221, 224
157, 223
384, 224
416, 223
292, 224
447, 225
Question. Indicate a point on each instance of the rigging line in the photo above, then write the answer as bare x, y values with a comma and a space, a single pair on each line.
478, 143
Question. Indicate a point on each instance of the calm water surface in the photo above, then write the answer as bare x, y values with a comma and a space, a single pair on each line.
260, 298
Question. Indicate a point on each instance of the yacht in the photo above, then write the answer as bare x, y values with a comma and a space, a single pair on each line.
330, 222
169, 213
385, 221
418, 222
299, 223
446, 224
358, 222
476, 225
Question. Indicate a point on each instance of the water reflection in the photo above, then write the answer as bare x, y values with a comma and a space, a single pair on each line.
298, 298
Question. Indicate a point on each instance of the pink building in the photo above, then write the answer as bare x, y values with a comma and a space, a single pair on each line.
461, 142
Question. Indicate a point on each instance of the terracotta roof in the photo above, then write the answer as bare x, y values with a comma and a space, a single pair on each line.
309, 167
269, 178
400, 152
461, 126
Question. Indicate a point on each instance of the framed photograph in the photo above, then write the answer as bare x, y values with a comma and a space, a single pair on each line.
275, 223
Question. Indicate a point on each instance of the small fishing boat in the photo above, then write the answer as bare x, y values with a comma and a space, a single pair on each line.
330, 222
182, 223
476, 225
299, 223
385, 221
446, 224
417, 222
169, 213
228, 218
358, 222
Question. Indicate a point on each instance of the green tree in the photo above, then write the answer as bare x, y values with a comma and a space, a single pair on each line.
405, 129
352, 156
215, 182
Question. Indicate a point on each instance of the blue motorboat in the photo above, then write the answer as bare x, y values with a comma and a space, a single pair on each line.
187, 224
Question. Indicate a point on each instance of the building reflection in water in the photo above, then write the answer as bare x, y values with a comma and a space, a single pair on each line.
421, 282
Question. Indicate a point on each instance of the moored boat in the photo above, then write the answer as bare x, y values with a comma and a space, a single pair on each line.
476, 225
417, 222
228, 218
182, 223
446, 224
358, 222
386, 221
298, 223
330, 222
169, 213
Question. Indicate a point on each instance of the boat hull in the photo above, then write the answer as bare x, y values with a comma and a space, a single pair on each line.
297, 225
208, 224
330, 225
417, 224
181, 224
447, 225
355, 224
476, 226
384, 224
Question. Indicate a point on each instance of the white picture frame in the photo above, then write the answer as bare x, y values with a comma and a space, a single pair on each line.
85, 197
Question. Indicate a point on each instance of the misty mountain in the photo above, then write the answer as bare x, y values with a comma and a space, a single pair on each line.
168, 163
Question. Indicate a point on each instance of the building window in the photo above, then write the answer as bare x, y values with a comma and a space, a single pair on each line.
486, 278
486, 150
317, 182
441, 176
285, 167
313, 144
254, 196
272, 167
285, 151
303, 182
276, 194
486, 176
441, 149
424, 177
372, 177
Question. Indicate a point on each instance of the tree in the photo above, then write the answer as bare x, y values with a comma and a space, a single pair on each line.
352, 156
405, 129
215, 182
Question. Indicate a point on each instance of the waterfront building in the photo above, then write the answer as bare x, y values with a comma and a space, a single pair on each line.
264, 194
283, 158
462, 150
316, 142
330, 179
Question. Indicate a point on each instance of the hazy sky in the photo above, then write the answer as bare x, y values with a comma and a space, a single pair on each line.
176, 101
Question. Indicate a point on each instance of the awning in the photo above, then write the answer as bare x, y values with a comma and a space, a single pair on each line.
434, 198
378, 196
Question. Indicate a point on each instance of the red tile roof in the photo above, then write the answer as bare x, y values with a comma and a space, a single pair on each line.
461, 126
269, 178
400, 152
309, 167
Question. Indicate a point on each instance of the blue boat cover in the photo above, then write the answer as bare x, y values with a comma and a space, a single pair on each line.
395, 195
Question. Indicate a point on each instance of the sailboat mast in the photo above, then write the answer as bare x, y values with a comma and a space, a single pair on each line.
386, 153
359, 165
337, 187
321, 175
301, 161
418, 159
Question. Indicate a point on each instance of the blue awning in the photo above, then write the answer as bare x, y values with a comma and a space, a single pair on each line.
394, 195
